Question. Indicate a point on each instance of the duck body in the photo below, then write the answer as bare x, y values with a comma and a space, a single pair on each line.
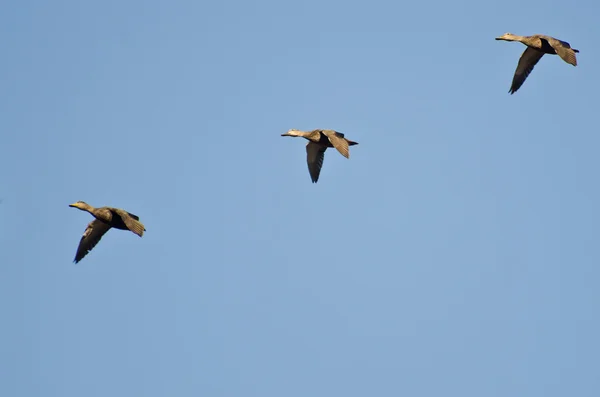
319, 141
326, 142
109, 216
105, 219
537, 46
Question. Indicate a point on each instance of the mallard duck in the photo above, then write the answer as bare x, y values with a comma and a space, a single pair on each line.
106, 217
318, 142
537, 46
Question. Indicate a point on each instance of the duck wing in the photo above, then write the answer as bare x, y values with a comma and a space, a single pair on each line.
131, 221
564, 50
528, 60
315, 154
338, 141
92, 235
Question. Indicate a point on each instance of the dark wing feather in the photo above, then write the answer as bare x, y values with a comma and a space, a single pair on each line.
131, 221
528, 60
315, 154
137, 218
92, 235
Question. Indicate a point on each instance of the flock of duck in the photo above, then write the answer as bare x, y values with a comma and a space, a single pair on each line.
318, 142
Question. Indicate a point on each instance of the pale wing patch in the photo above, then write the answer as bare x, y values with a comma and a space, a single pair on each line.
528, 60
92, 235
315, 154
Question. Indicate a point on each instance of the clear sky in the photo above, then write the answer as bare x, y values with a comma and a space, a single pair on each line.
454, 254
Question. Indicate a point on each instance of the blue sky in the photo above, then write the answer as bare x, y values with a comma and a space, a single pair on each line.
455, 253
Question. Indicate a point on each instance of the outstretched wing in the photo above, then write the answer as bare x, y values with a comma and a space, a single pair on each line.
528, 60
564, 50
131, 221
338, 141
315, 154
92, 235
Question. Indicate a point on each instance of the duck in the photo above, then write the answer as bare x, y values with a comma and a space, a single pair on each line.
318, 142
106, 218
537, 46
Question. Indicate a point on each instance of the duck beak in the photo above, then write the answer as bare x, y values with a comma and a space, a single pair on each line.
73, 205
286, 134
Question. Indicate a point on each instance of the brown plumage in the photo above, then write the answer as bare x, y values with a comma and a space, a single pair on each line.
106, 217
319, 141
537, 46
